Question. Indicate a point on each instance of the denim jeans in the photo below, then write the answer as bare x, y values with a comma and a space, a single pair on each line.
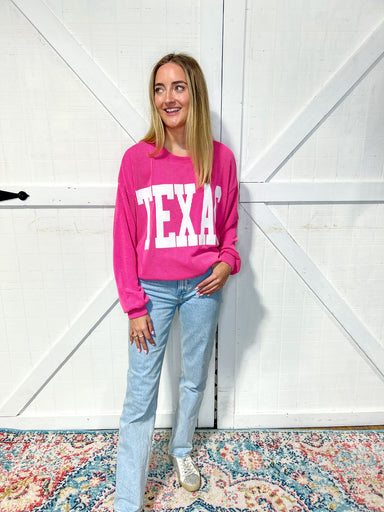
198, 318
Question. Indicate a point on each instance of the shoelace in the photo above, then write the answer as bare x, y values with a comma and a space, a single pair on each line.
188, 469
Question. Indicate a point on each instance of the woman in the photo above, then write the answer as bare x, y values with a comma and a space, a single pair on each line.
174, 248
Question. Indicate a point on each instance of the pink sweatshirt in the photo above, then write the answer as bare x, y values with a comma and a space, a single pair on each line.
167, 228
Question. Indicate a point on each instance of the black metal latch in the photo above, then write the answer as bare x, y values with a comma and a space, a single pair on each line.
4, 196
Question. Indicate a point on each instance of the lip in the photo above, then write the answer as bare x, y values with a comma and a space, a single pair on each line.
172, 111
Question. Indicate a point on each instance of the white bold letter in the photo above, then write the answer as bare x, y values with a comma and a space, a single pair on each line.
182, 240
162, 216
144, 195
207, 219
217, 200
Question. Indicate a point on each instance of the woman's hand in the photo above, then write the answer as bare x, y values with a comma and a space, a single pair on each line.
218, 278
140, 331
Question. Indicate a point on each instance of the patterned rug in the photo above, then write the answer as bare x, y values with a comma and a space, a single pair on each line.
262, 470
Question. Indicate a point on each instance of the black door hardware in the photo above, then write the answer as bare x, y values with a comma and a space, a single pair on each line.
4, 196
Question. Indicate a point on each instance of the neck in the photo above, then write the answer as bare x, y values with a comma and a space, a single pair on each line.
175, 142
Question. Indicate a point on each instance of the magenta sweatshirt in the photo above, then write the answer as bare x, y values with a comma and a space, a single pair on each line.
166, 227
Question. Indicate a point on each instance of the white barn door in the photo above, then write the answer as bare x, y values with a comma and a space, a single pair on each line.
301, 338
73, 99
296, 92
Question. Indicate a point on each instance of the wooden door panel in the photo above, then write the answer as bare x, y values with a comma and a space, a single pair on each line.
76, 99
286, 331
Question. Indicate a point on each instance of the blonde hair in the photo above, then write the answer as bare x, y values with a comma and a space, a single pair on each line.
199, 137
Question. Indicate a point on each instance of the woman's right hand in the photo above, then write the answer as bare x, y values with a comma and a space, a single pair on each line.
140, 331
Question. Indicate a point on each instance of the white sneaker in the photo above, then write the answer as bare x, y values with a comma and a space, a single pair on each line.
187, 473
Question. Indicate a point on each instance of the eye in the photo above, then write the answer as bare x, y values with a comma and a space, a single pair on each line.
180, 88
159, 90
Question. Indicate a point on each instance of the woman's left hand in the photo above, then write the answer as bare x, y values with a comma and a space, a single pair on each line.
214, 282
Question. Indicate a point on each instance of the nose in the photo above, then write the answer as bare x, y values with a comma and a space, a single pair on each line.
169, 98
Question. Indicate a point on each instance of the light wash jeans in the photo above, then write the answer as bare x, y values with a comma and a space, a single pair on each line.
198, 319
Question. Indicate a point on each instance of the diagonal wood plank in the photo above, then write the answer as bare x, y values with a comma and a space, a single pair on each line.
83, 65
363, 341
58, 354
324, 102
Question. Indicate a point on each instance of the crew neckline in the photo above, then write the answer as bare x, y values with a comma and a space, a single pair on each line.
165, 152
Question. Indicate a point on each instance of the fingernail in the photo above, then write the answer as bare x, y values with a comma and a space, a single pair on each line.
152, 332
146, 351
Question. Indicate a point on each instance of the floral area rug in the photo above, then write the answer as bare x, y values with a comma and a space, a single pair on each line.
258, 470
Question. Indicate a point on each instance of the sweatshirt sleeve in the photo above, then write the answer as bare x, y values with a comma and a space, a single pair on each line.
227, 226
132, 296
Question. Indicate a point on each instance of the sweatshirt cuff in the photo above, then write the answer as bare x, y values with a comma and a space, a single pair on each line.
136, 312
231, 260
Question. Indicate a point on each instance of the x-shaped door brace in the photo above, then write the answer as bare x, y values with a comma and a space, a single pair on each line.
325, 101
102, 87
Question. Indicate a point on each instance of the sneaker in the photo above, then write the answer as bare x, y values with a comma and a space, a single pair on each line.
187, 473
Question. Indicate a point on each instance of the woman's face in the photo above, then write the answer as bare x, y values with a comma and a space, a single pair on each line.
172, 96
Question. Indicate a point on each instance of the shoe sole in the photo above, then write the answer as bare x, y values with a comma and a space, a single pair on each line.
189, 488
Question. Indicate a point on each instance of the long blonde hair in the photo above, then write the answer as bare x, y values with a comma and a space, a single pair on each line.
199, 137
